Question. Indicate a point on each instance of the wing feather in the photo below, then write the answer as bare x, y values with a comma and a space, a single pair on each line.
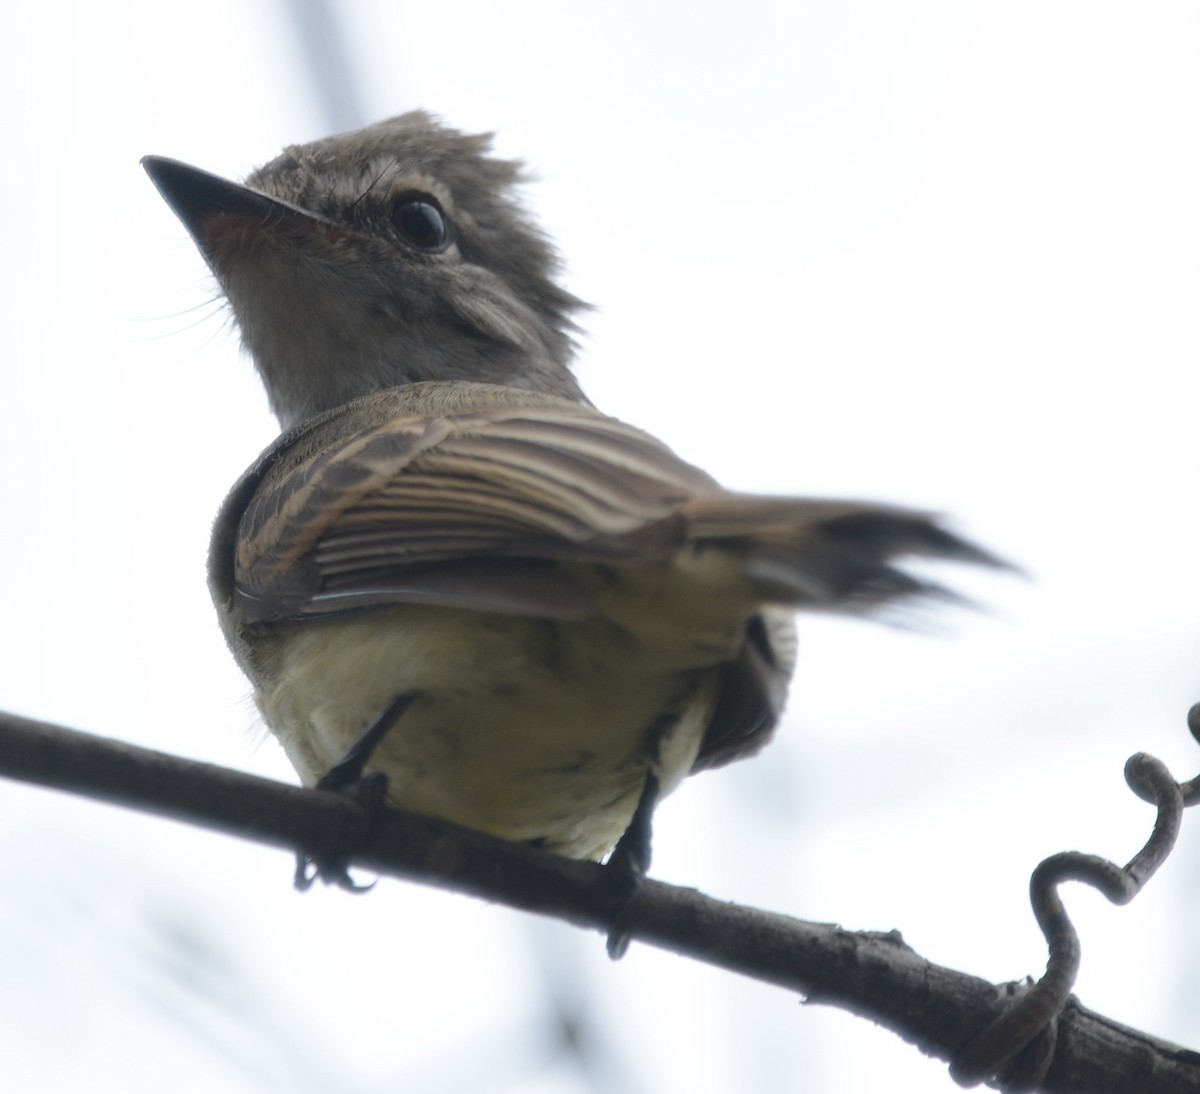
382, 512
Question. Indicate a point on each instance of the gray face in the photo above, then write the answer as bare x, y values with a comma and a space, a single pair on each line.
416, 262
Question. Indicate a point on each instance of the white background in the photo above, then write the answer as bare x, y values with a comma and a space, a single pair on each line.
937, 253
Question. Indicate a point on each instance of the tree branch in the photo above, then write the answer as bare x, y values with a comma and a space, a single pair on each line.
875, 975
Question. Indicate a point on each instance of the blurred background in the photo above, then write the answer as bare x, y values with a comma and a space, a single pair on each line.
939, 253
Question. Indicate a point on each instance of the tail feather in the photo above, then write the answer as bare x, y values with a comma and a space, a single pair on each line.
833, 555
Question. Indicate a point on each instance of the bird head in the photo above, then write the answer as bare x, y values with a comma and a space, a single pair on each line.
381, 257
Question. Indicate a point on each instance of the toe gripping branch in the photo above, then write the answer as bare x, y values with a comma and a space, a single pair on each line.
1016, 1050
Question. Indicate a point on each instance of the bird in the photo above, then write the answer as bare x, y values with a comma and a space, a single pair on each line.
538, 618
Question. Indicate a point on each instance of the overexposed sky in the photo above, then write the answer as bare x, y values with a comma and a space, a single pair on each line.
936, 253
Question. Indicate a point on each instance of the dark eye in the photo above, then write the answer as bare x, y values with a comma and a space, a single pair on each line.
421, 222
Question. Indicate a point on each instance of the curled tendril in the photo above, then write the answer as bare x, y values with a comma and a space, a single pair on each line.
1017, 1048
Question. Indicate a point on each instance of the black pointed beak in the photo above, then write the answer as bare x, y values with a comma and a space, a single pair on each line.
208, 204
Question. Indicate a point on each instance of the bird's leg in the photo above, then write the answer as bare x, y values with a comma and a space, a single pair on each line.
348, 771
628, 864
330, 862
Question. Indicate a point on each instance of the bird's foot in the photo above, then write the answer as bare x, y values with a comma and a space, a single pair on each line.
330, 862
627, 866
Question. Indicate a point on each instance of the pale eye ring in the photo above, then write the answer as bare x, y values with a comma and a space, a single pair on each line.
421, 222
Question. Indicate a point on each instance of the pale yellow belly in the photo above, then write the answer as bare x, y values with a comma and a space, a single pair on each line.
523, 727
527, 729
